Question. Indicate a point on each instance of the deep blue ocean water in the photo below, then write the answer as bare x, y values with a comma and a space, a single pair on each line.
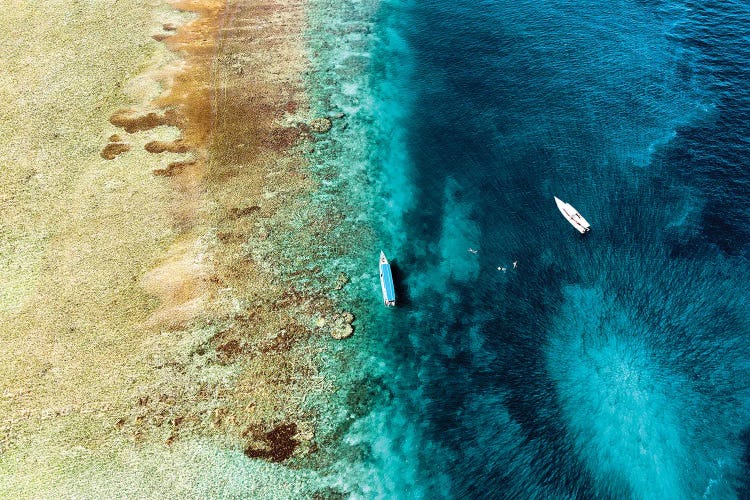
615, 365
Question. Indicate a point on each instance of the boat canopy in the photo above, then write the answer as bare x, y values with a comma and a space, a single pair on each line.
388, 289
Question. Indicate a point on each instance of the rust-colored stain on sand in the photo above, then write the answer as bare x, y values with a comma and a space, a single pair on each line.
186, 105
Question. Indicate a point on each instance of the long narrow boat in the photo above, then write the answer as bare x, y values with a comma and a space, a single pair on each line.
573, 216
386, 281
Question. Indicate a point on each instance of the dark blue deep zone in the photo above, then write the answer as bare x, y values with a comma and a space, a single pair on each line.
637, 113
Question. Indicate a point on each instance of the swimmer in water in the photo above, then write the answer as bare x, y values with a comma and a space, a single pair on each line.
473, 251
514, 263
501, 268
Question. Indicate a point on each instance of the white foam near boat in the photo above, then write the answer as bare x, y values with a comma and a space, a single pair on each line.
386, 281
573, 216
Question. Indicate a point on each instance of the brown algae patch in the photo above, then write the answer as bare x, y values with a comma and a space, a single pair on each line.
133, 121
174, 168
115, 147
176, 146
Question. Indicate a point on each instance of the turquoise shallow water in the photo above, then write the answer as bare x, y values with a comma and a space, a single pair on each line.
612, 365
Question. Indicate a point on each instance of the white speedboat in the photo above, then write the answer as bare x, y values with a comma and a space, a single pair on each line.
573, 216
386, 282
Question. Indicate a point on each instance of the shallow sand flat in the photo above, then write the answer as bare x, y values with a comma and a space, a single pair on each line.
137, 329
78, 231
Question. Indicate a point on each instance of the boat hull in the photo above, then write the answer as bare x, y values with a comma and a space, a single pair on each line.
572, 216
386, 282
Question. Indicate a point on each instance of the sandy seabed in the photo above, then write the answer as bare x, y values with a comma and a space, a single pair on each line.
148, 148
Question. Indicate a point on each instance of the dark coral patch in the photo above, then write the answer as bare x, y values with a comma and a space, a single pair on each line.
238, 212
282, 138
329, 494
278, 444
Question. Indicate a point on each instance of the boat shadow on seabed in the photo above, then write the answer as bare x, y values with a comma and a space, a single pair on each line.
402, 291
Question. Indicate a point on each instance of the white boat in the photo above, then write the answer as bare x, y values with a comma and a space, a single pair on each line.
573, 216
386, 281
